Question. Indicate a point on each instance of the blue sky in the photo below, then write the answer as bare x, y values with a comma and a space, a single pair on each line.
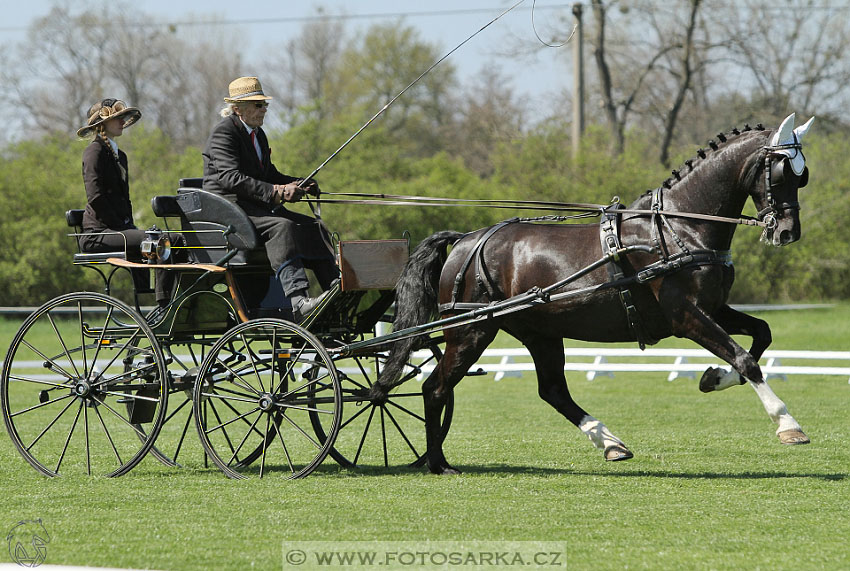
446, 23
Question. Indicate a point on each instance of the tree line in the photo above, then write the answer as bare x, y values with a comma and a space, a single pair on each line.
445, 137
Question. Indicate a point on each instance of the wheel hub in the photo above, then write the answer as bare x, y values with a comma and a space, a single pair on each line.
82, 388
266, 402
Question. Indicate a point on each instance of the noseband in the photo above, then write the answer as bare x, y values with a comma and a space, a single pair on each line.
773, 211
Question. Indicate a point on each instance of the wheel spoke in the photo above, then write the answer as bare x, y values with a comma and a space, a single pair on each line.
58, 369
265, 441
286, 452
62, 342
251, 356
355, 415
402, 433
129, 375
408, 411
384, 438
218, 418
68, 440
52, 422
301, 430
365, 432
232, 420
82, 341
122, 419
108, 436
131, 396
39, 405
183, 433
244, 439
99, 343
170, 416
88, 443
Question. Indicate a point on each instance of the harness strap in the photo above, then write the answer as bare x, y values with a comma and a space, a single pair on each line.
476, 251
609, 234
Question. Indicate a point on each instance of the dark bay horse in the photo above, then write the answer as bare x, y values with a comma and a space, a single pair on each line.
677, 284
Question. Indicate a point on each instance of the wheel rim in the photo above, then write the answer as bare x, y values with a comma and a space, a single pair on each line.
83, 371
384, 433
254, 396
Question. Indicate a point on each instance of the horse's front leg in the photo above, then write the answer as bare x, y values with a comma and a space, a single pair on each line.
736, 323
701, 328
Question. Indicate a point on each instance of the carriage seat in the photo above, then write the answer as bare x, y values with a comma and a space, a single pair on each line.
74, 218
204, 219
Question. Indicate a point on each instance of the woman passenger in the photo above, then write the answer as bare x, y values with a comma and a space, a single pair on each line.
108, 218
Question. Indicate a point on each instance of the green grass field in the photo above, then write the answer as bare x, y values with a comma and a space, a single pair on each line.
710, 486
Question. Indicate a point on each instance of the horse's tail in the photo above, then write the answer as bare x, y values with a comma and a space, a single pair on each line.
415, 301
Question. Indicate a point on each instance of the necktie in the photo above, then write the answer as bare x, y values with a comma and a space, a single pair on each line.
256, 146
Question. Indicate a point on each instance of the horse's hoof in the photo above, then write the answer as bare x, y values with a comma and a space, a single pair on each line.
709, 380
445, 471
793, 437
617, 452
717, 379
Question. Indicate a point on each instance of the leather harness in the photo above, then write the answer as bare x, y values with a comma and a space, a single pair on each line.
609, 234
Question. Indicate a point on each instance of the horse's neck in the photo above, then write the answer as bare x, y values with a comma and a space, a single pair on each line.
716, 185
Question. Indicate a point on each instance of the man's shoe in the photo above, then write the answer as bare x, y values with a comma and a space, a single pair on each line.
305, 306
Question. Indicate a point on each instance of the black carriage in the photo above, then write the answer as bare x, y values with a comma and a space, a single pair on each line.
92, 384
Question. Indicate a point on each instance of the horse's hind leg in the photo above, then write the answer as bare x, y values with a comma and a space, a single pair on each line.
463, 347
699, 327
548, 355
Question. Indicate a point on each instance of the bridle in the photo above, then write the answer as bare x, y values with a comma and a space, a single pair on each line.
774, 211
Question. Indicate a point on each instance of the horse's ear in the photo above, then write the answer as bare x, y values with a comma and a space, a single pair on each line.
803, 129
785, 133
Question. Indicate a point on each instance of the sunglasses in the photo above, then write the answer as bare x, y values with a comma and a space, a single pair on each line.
261, 105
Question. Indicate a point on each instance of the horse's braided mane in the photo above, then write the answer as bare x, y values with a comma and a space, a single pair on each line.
723, 139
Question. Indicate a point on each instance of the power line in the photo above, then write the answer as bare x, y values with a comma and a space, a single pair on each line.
321, 17
391, 15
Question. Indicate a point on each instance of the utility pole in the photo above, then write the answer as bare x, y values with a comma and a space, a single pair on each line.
578, 83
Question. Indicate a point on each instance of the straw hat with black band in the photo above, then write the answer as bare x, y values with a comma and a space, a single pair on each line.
108, 109
245, 89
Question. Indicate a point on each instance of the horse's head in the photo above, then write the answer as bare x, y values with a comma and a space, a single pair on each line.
785, 172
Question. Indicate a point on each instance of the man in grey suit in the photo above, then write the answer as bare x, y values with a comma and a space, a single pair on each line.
237, 165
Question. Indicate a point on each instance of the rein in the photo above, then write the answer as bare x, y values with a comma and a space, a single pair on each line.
586, 210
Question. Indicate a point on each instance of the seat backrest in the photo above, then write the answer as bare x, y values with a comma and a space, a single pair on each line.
204, 217
192, 182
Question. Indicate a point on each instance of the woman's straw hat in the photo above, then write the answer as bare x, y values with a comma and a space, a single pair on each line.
245, 89
107, 109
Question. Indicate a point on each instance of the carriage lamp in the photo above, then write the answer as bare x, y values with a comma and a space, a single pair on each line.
156, 245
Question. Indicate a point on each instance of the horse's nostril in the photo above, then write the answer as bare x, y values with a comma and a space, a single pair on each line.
785, 237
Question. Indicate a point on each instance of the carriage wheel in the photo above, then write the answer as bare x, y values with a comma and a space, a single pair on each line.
389, 433
83, 371
176, 445
255, 394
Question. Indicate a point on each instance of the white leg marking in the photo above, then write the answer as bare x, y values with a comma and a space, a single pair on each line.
776, 409
730, 379
598, 433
